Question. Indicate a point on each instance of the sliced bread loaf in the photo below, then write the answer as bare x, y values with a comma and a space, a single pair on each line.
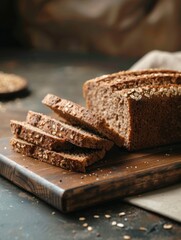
76, 160
38, 137
73, 134
143, 107
80, 116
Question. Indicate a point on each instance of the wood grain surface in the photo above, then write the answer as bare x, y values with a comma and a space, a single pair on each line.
120, 174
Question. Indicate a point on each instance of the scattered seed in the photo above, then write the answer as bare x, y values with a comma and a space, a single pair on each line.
120, 225
96, 216
167, 226
81, 218
126, 237
85, 224
122, 214
82, 177
89, 228
143, 229
98, 234
114, 223
125, 219
53, 213
107, 216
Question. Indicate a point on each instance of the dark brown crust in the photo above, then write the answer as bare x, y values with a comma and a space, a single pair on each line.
35, 136
136, 88
154, 121
72, 134
70, 161
125, 75
129, 79
81, 116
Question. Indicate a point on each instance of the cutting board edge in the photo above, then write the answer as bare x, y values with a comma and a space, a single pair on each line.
102, 188
34, 184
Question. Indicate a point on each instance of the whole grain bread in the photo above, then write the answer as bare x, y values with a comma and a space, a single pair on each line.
80, 116
38, 137
144, 107
76, 160
73, 134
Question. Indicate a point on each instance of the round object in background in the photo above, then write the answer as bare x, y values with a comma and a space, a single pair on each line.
11, 85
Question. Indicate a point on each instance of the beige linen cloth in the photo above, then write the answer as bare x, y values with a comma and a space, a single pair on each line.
166, 201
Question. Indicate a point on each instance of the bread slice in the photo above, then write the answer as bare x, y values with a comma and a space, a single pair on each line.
76, 160
143, 107
38, 137
75, 135
80, 116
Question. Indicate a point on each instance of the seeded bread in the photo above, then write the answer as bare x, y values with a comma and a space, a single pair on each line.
76, 160
143, 107
75, 135
80, 116
38, 137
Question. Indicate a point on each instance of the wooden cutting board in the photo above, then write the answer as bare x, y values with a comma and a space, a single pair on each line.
120, 174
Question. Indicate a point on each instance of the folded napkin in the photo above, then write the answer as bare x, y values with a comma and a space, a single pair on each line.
166, 201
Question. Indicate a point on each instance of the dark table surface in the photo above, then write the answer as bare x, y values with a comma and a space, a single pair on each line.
23, 216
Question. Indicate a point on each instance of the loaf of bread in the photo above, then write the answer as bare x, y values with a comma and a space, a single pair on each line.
82, 117
143, 107
72, 134
76, 160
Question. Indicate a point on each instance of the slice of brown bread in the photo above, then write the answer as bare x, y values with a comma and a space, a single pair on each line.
143, 109
80, 116
38, 137
76, 160
73, 134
